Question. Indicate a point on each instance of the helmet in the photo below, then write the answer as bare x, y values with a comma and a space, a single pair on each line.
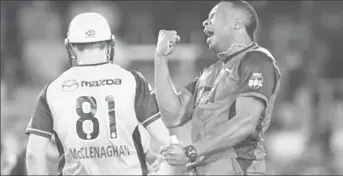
89, 28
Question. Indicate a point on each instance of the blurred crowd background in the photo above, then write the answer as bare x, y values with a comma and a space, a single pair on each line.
306, 38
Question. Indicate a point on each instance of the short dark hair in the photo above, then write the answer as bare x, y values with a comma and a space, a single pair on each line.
252, 25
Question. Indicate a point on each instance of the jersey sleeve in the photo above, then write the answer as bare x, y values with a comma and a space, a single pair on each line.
257, 75
41, 122
146, 107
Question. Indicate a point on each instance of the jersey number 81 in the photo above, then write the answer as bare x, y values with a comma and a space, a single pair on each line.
87, 126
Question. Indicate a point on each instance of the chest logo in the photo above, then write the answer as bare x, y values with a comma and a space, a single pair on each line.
204, 95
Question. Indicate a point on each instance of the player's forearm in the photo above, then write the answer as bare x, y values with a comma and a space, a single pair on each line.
159, 132
165, 91
36, 164
150, 156
226, 136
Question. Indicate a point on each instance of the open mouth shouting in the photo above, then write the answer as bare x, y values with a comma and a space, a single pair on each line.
209, 33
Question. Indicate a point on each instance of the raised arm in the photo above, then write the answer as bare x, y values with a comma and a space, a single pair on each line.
173, 104
40, 130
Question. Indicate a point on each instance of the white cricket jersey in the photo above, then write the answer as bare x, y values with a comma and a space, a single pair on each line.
96, 113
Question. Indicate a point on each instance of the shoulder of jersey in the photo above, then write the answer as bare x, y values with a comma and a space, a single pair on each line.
262, 50
268, 54
64, 82
136, 74
140, 79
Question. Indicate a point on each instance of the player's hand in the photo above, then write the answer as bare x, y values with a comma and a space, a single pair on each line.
155, 166
196, 163
166, 42
175, 155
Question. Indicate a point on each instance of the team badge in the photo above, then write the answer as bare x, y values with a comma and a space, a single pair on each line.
70, 85
256, 81
204, 95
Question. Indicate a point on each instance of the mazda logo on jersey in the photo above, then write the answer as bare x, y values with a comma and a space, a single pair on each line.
101, 82
70, 85
256, 81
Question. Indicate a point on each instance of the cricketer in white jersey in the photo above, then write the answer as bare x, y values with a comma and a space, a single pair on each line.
96, 111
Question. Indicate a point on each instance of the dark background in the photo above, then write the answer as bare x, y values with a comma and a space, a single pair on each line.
306, 38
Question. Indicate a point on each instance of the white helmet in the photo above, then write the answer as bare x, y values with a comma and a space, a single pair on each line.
88, 28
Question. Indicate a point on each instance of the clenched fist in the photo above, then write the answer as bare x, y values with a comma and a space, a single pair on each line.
166, 42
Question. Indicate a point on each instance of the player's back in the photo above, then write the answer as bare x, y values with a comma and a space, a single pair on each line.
94, 118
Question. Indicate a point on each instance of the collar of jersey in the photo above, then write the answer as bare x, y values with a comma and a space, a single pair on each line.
225, 56
85, 65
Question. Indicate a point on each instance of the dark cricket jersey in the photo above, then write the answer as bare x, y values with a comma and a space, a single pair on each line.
95, 113
251, 72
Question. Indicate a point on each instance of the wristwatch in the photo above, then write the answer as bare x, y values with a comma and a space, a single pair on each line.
191, 153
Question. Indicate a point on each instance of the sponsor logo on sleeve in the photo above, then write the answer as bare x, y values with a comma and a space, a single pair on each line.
256, 81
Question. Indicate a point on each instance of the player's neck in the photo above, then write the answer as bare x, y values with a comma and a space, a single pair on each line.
91, 58
239, 44
235, 47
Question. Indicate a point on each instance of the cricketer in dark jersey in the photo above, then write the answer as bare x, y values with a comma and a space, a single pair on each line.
251, 72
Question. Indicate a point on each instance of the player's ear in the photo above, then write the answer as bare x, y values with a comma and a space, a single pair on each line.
111, 48
70, 53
